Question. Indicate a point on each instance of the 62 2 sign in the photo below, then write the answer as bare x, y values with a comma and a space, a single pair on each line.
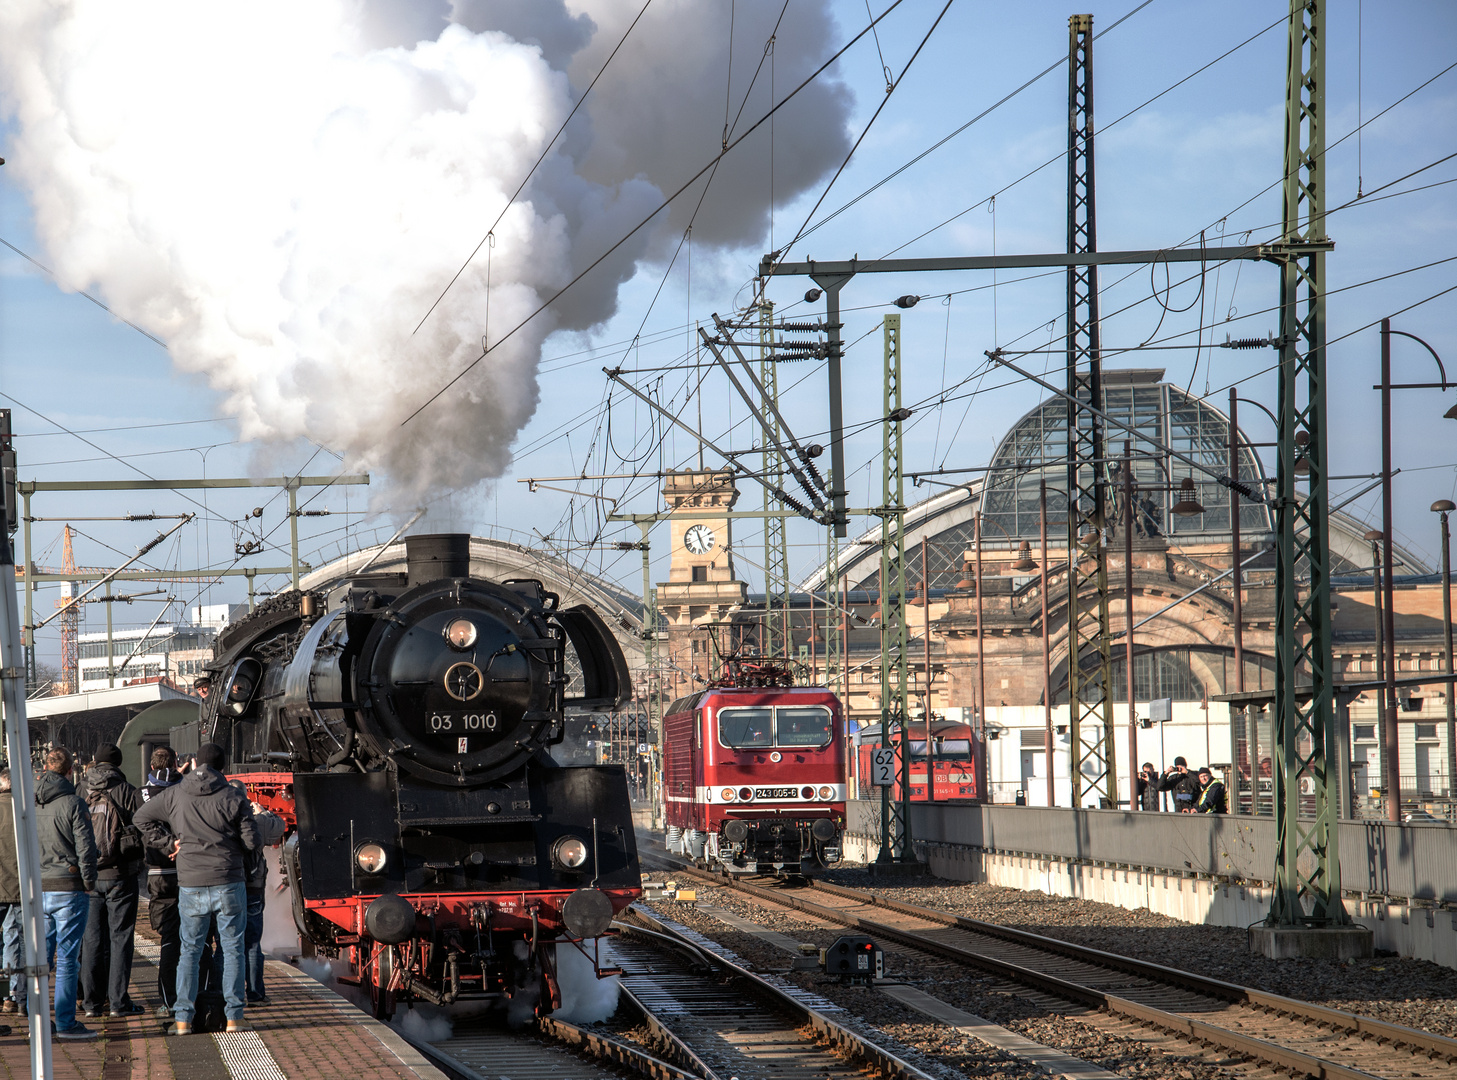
882, 767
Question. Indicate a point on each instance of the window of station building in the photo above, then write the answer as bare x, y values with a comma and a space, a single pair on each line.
746, 728
700, 573
1181, 674
1426, 731
1364, 732
803, 726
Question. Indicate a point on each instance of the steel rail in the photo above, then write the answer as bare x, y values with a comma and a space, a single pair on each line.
617, 1052
855, 1047
1417, 1041
594, 1045
1352, 1022
1273, 1053
676, 1046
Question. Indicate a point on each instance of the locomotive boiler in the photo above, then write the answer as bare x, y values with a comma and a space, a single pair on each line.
402, 723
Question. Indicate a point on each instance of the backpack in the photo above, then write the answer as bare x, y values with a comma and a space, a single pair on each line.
117, 841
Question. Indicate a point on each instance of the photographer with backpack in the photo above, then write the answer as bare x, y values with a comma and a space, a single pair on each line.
111, 924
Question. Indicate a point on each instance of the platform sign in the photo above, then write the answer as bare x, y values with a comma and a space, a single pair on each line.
882, 767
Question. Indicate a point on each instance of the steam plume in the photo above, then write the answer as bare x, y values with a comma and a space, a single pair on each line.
280, 190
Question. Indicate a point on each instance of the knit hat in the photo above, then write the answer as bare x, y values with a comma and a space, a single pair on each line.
164, 778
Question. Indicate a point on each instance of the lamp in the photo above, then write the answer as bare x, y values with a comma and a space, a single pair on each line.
812, 295
1188, 505
1024, 561
904, 302
1302, 464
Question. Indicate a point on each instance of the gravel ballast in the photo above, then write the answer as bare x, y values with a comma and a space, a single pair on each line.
1040, 1018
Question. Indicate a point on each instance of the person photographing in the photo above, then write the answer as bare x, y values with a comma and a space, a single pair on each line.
1183, 784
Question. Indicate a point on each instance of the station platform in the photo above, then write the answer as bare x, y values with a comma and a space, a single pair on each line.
304, 1029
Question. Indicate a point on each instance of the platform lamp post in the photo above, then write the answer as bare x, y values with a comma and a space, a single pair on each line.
1445, 507
1392, 777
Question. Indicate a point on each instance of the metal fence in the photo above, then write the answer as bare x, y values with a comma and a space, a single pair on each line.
1377, 857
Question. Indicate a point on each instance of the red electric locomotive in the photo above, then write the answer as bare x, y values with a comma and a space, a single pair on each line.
754, 773
952, 757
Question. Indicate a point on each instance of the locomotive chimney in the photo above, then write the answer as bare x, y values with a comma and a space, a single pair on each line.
437, 555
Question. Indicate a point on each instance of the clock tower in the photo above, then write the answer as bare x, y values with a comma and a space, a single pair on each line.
701, 588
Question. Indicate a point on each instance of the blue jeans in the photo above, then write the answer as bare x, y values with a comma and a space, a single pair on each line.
65, 924
253, 946
196, 906
14, 952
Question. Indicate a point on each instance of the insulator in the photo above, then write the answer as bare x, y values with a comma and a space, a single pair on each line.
802, 327
793, 503
1244, 489
1247, 343
814, 473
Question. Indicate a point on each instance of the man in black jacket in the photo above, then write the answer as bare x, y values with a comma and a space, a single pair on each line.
111, 925
206, 825
67, 874
162, 885
1184, 785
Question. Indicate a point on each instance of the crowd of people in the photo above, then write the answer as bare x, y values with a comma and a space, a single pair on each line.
197, 841
1191, 792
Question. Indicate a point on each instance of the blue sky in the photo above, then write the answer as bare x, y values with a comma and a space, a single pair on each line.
1197, 158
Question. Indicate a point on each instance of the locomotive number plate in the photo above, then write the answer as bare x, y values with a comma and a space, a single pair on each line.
465, 721
776, 793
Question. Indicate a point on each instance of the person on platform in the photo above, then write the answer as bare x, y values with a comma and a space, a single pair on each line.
11, 925
111, 923
207, 826
67, 875
1148, 788
162, 885
271, 828
1211, 794
1184, 785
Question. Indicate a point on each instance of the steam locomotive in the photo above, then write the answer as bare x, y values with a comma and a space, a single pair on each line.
401, 724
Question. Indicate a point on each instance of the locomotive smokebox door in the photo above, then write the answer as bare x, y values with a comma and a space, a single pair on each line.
855, 959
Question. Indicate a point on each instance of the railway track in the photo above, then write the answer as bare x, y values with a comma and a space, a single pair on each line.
1279, 1032
716, 1019
706, 1018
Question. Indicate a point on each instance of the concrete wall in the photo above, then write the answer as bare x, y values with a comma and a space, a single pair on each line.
1212, 870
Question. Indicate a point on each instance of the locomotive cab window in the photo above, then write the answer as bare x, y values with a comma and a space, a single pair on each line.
803, 726
746, 729
953, 749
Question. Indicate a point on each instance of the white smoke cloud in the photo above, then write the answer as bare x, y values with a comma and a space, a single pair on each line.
280, 191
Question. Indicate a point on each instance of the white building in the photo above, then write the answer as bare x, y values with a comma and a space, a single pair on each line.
175, 651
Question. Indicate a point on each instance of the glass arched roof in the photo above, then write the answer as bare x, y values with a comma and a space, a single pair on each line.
1162, 415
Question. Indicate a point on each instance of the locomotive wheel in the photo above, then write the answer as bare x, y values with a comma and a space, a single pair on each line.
381, 974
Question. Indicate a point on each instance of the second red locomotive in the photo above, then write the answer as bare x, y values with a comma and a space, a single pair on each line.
754, 775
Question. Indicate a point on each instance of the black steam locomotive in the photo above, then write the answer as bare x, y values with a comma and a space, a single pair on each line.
401, 723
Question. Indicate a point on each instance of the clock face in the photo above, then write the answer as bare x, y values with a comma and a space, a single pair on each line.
698, 539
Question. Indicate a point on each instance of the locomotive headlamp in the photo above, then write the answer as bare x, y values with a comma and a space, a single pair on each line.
827, 792
746, 794
727, 794
461, 634
371, 858
569, 852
